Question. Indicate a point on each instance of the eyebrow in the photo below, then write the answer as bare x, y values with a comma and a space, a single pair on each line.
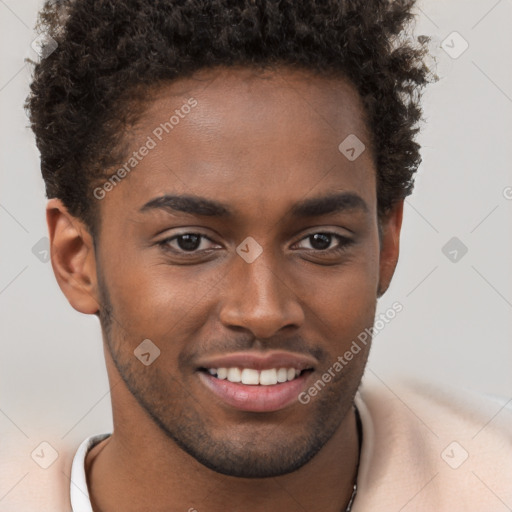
202, 206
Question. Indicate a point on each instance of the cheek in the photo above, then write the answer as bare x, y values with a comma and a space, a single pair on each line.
154, 298
348, 287
346, 307
151, 297
345, 299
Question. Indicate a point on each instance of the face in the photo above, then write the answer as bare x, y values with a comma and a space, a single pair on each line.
265, 269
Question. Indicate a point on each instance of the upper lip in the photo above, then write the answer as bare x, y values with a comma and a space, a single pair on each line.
260, 361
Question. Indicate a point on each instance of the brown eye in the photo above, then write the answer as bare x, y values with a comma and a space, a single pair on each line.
184, 243
189, 242
322, 241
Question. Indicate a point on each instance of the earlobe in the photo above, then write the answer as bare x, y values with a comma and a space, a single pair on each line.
72, 257
390, 246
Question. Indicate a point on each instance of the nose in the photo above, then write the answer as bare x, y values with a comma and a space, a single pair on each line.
260, 297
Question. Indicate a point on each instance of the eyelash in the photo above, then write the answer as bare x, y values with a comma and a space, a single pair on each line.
343, 243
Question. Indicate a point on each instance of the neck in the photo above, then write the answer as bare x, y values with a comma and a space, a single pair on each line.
128, 472
139, 465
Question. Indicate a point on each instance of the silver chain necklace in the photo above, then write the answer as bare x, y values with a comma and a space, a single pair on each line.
354, 492
360, 440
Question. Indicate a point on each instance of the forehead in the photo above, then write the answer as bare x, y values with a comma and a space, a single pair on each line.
247, 137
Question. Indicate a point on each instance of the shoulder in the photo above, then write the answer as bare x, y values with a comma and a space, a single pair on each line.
437, 407
35, 471
432, 447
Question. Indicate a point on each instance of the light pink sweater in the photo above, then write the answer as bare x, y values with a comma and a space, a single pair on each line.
424, 449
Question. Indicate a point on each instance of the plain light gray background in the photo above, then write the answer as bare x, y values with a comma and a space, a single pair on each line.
455, 326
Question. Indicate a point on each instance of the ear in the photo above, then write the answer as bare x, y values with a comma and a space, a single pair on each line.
389, 246
73, 258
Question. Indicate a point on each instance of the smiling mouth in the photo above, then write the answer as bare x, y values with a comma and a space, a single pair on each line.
253, 377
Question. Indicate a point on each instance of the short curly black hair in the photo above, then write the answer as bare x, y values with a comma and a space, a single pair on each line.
111, 51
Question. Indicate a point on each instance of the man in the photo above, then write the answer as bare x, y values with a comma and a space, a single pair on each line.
226, 185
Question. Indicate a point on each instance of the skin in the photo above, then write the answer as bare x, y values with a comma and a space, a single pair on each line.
260, 144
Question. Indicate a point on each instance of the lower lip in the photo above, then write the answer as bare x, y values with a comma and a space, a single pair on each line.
256, 398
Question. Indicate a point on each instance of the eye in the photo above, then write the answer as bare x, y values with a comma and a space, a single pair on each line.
322, 241
194, 243
185, 243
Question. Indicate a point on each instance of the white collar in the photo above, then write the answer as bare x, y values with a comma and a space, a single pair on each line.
79, 493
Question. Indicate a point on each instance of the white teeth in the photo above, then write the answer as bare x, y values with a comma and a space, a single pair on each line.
253, 377
282, 375
234, 375
250, 376
268, 377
